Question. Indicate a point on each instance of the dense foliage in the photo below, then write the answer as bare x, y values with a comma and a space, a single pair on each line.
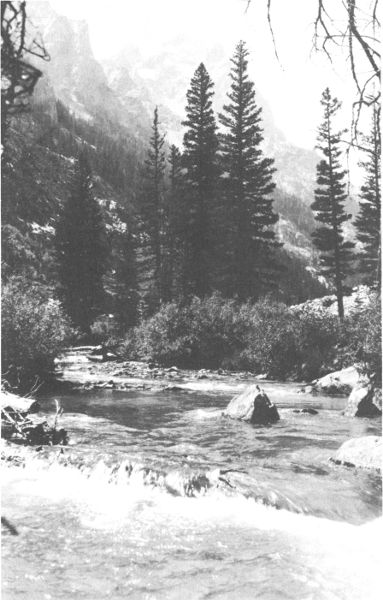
34, 329
264, 337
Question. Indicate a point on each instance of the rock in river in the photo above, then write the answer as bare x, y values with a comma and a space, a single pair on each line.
364, 401
254, 406
364, 452
338, 382
308, 411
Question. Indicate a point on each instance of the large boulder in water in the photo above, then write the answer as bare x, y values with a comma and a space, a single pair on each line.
254, 406
338, 383
364, 452
364, 401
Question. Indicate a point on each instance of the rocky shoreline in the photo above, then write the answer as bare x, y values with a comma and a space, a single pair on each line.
84, 369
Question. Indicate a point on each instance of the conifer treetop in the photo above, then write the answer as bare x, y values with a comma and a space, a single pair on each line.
200, 120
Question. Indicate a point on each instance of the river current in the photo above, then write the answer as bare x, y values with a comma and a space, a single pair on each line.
160, 497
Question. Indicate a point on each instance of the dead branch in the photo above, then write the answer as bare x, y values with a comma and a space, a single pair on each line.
59, 412
18, 426
271, 30
356, 32
18, 75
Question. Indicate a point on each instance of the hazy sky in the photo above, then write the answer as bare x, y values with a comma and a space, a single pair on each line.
293, 88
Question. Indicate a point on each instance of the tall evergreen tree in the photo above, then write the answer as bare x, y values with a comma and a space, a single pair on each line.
81, 251
125, 286
173, 212
367, 221
152, 211
335, 252
247, 185
200, 160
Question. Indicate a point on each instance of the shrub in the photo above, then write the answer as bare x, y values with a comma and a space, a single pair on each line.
360, 340
34, 330
214, 332
265, 337
282, 343
201, 333
104, 330
269, 340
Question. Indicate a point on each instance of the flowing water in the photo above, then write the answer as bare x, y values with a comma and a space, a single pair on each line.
160, 497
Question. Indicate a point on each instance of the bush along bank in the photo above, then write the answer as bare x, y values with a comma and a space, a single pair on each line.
263, 337
34, 331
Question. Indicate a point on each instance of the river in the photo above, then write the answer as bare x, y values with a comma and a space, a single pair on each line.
160, 497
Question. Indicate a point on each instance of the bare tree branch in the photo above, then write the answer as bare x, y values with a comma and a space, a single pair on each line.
342, 24
271, 30
362, 41
18, 75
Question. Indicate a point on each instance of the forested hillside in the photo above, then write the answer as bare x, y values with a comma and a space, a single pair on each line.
226, 210
73, 108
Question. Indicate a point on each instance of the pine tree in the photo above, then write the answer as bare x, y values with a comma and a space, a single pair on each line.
247, 184
152, 212
200, 160
81, 251
335, 253
125, 286
367, 221
173, 237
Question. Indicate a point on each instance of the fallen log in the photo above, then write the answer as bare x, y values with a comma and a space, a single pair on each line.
20, 425
12, 402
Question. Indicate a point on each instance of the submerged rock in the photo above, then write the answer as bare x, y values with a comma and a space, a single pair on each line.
173, 388
253, 406
308, 411
364, 452
337, 383
307, 389
262, 376
364, 401
8, 526
203, 374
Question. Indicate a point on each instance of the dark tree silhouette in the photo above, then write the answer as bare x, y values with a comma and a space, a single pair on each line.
247, 185
152, 210
335, 253
173, 220
124, 285
200, 160
81, 251
367, 221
